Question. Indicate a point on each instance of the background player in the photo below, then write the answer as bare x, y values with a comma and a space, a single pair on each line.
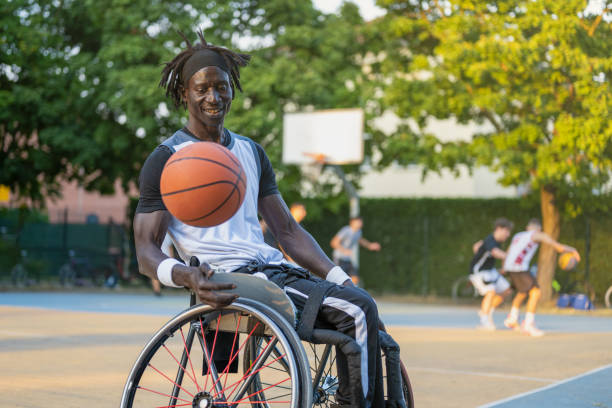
203, 79
523, 247
345, 244
485, 277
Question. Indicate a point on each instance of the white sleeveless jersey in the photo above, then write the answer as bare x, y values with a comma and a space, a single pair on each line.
237, 241
521, 250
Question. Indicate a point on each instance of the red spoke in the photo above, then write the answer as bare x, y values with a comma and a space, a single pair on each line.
208, 357
212, 351
235, 385
169, 379
246, 374
245, 402
180, 365
236, 355
226, 371
161, 393
189, 357
232, 357
257, 392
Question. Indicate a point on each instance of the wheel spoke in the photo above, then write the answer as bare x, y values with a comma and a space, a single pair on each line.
169, 379
212, 351
189, 359
180, 365
235, 385
254, 363
161, 393
260, 391
232, 358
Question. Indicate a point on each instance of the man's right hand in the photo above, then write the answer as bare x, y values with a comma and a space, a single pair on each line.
197, 278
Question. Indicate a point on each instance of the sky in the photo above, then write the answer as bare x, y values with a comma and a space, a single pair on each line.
368, 8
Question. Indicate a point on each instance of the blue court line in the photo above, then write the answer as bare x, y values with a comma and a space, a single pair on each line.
590, 389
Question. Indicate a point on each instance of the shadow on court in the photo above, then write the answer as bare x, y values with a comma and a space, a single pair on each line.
53, 354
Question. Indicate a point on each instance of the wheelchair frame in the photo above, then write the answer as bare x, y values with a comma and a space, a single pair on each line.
304, 391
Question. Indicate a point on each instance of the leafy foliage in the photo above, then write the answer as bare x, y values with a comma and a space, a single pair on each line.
78, 81
536, 72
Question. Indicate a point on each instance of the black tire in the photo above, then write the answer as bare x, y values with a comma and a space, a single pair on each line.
463, 289
327, 385
256, 321
608, 297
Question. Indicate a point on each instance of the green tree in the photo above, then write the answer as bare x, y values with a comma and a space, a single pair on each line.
538, 72
79, 79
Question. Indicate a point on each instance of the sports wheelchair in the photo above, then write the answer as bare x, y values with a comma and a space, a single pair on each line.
249, 354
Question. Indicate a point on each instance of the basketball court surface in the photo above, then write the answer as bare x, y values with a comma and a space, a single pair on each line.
76, 349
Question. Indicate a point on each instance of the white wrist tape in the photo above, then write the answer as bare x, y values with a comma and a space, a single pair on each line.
164, 272
337, 275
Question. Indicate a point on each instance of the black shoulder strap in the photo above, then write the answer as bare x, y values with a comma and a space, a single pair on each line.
311, 309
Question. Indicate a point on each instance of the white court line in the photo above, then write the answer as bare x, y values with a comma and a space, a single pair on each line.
524, 394
481, 374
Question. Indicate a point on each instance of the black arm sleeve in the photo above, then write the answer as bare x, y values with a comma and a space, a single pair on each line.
267, 180
150, 195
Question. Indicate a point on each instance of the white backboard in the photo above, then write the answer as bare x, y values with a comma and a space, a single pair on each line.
336, 133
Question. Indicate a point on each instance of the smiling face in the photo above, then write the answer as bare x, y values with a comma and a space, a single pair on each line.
209, 96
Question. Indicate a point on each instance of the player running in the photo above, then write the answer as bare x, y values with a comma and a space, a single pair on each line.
486, 279
345, 244
203, 79
523, 247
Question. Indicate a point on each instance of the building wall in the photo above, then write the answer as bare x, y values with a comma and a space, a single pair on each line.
407, 181
77, 204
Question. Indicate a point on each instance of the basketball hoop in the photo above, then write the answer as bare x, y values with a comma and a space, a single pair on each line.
313, 168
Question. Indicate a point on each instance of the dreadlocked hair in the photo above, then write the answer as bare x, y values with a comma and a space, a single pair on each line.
172, 80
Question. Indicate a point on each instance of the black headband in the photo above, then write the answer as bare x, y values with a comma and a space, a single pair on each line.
202, 59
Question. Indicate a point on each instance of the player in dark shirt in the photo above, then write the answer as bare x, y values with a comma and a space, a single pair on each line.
485, 277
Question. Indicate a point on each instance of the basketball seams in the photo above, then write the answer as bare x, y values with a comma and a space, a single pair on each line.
200, 186
225, 151
202, 159
174, 176
218, 207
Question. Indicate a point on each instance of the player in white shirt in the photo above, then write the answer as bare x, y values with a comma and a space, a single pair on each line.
203, 79
522, 249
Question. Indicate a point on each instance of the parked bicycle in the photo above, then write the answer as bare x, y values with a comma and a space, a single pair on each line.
608, 297
463, 289
27, 271
80, 271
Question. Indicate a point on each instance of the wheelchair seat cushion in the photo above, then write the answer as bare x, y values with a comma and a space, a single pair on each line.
261, 290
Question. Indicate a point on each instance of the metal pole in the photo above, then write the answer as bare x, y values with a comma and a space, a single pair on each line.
353, 195
587, 248
425, 256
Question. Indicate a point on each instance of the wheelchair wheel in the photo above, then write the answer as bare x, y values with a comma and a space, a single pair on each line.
463, 289
325, 376
608, 297
193, 361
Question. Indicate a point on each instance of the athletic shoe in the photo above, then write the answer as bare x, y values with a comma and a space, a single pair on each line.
511, 323
531, 330
488, 326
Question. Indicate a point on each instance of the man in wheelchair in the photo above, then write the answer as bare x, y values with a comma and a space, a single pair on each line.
203, 79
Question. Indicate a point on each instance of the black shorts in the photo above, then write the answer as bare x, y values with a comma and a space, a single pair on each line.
523, 282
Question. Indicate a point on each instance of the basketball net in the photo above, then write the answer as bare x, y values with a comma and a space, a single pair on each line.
313, 169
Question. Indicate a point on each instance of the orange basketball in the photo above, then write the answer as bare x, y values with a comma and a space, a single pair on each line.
203, 184
567, 261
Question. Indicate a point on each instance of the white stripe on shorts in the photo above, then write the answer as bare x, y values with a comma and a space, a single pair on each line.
361, 329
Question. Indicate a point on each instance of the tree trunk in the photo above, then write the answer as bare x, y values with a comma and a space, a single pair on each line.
548, 256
